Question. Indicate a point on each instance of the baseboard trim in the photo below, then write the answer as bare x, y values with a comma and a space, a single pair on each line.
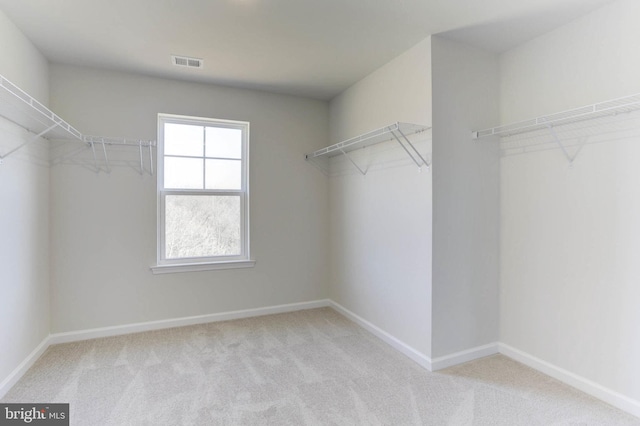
95, 333
464, 356
393, 341
74, 336
594, 389
25, 365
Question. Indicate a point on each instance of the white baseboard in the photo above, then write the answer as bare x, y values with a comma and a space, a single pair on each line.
464, 356
609, 396
25, 365
74, 336
394, 342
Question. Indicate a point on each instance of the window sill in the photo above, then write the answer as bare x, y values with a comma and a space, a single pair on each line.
195, 267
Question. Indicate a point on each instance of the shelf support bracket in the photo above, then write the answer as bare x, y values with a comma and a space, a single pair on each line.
424, 162
353, 162
141, 161
95, 158
106, 159
556, 139
151, 159
35, 138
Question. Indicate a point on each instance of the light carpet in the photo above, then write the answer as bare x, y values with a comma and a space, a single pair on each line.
311, 367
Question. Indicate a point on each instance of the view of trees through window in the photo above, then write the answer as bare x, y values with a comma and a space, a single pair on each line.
202, 226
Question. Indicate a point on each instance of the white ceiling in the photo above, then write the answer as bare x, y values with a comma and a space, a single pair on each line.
313, 48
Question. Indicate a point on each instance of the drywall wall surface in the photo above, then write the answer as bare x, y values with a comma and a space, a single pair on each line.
380, 223
549, 73
394, 92
24, 212
570, 236
21, 62
465, 199
104, 224
24, 246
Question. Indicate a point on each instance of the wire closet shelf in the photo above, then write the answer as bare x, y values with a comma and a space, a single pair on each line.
397, 131
20, 108
612, 107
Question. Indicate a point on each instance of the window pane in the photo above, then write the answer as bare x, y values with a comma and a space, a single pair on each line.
183, 139
224, 174
202, 226
224, 143
183, 173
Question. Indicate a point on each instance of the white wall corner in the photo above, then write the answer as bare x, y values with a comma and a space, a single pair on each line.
607, 395
464, 356
417, 356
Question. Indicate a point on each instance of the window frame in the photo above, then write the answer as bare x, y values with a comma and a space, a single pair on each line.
241, 260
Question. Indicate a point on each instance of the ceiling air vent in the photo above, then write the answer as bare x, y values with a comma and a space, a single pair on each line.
185, 61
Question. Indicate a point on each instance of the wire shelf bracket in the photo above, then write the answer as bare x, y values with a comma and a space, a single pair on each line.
35, 138
408, 142
570, 158
396, 131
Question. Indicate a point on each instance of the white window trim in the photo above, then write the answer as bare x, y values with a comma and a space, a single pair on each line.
197, 267
164, 266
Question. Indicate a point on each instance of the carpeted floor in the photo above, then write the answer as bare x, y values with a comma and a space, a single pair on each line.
310, 367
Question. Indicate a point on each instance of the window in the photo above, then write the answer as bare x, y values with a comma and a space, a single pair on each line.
203, 194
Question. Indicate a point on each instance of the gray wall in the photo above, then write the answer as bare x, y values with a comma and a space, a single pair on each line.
104, 225
24, 211
465, 199
570, 236
380, 224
